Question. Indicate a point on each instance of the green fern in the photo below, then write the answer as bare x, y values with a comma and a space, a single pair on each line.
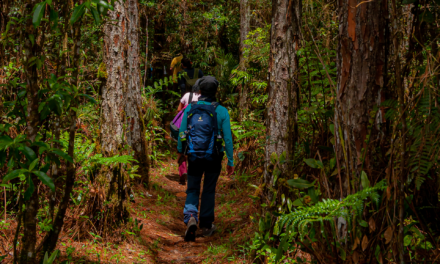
327, 210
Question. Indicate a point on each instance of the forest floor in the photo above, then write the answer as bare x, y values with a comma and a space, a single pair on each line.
160, 210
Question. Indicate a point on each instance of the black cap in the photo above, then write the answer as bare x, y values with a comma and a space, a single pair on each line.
208, 86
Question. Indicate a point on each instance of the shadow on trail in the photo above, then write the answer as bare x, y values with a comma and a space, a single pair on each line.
173, 177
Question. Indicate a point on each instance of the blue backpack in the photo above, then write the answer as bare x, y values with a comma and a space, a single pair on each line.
202, 138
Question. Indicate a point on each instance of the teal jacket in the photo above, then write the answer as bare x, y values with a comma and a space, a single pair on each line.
224, 125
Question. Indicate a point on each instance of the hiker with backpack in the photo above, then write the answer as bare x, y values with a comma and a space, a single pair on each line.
189, 76
205, 125
175, 126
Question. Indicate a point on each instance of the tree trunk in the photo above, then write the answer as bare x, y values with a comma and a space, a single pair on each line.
29, 240
133, 103
113, 93
283, 85
360, 59
121, 97
244, 30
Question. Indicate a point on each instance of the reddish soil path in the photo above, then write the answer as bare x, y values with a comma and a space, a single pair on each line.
164, 229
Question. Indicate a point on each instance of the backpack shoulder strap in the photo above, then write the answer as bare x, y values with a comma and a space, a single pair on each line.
215, 104
190, 97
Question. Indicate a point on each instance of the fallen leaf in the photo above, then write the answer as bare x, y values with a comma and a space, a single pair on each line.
380, 258
388, 235
181, 194
355, 257
356, 243
364, 242
372, 224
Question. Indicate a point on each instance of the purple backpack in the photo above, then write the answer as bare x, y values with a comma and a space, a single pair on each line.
175, 124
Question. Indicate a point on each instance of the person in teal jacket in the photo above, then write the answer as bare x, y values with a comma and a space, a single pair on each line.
208, 89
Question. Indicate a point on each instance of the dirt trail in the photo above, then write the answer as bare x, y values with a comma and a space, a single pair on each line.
161, 212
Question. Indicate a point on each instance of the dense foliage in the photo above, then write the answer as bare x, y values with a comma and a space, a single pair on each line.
55, 174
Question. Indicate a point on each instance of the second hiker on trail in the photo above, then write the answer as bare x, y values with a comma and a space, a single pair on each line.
205, 124
176, 123
188, 76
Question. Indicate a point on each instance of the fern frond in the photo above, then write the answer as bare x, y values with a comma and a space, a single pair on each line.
327, 210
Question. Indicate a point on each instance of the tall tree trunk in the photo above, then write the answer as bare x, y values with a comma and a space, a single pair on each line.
244, 30
360, 59
121, 97
283, 85
29, 240
133, 103
113, 93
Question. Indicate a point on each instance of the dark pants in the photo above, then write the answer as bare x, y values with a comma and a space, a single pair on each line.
212, 170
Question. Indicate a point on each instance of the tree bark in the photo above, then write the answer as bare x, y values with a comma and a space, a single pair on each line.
113, 93
29, 240
283, 85
121, 97
244, 31
133, 104
360, 60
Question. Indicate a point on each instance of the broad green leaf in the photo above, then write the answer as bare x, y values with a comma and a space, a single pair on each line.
274, 158
30, 190
12, 175
363, 223
312, 193
95, 14
38, 14
312, 163
33, 164
342, 253
56, 105
299, 183
49, 2
42, 146
46, 258
5, 141
53, 17
77, 13
364, 180
45, 179
63, 155
407, 240
91, 99
281, 248
29, 153
282, 157
297, 202
289, 204
105, 4
53, 256
41, 106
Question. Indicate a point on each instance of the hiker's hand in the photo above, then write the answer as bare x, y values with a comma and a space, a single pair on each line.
179, 157
230, 170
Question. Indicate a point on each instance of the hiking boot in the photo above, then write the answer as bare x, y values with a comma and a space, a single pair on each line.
190, 234
182, 180
207, 232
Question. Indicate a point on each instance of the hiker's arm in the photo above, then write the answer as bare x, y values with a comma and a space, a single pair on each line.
227, 136
181, 130
180, 107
